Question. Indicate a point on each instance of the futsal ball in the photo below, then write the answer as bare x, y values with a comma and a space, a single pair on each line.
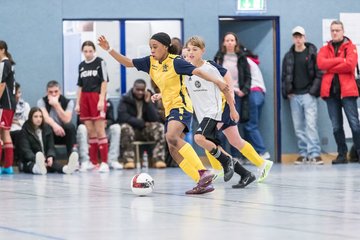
142, 184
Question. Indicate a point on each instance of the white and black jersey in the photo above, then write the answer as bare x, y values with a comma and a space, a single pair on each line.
206, 96
92, 74
7, 100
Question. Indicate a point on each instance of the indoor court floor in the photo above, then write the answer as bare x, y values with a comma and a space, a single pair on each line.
296, 202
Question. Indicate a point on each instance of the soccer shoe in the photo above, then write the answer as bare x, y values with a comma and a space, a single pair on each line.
228, 170
86, 166
116, 165
206, 178
8, 170
104, 167
39, 167
245, 181
73, 163
218, 175
264, 171
201, 190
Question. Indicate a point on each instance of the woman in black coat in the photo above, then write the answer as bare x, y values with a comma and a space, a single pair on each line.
38, 150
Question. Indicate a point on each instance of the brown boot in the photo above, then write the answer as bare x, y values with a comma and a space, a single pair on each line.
129, 165
159, 164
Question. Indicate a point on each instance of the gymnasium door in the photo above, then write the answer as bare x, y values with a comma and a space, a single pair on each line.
261, 35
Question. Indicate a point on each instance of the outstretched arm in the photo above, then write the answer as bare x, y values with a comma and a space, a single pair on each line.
104, 44
208, 77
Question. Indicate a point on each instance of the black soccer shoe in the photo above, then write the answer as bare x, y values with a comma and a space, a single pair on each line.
245, 181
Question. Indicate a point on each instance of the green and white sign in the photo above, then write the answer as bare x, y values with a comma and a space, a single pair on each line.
251, 5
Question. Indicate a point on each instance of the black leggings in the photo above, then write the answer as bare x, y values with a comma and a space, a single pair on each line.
29, 165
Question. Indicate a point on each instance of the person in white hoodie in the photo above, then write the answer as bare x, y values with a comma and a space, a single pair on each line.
256, 99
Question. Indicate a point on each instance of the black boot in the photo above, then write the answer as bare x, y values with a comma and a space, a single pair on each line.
340, 159
353, 155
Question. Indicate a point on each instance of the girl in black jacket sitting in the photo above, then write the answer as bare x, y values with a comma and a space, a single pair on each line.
37, 147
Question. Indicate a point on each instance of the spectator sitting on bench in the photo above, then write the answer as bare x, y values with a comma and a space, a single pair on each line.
58, 111
37, 148
139, 121
20, 116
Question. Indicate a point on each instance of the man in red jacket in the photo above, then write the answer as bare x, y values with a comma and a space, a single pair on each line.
338, 60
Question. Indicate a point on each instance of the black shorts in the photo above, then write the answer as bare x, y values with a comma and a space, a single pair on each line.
208, 129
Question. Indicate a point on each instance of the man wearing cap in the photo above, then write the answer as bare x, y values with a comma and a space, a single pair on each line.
338, 59
301, 80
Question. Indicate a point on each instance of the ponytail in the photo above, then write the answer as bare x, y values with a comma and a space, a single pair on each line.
3, 45
8, 55
173, 49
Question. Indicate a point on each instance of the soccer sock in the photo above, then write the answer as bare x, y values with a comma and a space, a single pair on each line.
93, 150
1, 149
215, 164
190, 155
189, 170
9, 154
249, 152
220, 156
239, 169
103, 148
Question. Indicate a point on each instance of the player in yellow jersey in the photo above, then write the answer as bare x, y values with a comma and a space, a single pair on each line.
167, 71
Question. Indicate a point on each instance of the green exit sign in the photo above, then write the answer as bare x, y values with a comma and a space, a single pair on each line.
251, 5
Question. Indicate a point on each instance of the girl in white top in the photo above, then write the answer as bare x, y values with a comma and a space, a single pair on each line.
256, 101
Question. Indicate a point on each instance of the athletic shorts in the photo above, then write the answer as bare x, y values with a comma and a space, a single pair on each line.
208, 129
226, 119
88, 107
6, 117
180, 115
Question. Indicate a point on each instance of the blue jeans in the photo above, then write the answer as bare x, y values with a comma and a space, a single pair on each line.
335, 113
304, 116
251, 128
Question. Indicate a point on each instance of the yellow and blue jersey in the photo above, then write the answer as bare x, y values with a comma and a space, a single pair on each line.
169, 77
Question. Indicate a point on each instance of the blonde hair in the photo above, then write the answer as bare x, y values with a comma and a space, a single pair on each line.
196, 41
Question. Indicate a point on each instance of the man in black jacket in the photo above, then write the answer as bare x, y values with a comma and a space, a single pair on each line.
57, 111
139, 120
301, 80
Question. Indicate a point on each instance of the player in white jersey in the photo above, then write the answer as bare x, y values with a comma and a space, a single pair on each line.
208, 106
207, 103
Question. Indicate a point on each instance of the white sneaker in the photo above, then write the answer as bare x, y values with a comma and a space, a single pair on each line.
73, 163
265, 155
104, 167
87, 166
39, 167
116, 165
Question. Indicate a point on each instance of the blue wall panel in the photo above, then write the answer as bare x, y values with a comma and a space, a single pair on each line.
33, 30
